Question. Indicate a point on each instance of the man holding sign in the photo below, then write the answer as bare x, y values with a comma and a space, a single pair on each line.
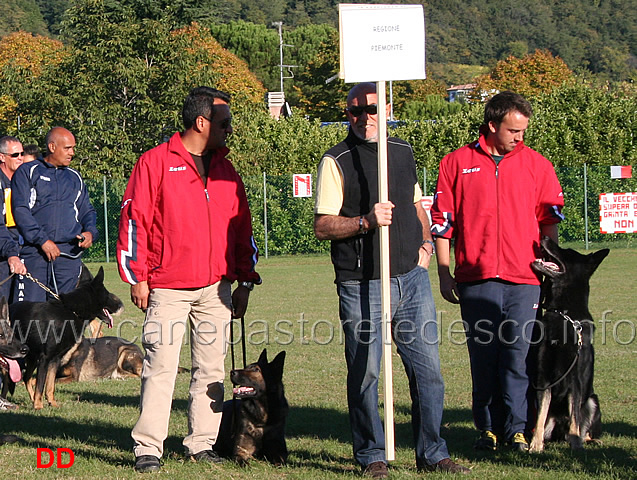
348, 213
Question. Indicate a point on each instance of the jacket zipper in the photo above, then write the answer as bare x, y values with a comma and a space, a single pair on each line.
497, 202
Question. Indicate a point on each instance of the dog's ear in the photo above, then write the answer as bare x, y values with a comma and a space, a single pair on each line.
4, 308
276, 366
99, 278
596, 258
263, 358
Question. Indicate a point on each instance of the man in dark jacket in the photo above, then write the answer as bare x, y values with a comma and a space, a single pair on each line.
54, 215
348, 213
11, 157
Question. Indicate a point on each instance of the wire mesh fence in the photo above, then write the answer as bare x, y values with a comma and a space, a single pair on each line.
283, 223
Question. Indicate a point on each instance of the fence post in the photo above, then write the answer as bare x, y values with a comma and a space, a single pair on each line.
424, 181
106, 220
265, 215
585, 207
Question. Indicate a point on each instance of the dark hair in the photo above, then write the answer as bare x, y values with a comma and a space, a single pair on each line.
4, 141
200, 102
32, 149
502, 103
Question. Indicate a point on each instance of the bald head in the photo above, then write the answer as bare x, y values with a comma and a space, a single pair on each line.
361, 89
60, 144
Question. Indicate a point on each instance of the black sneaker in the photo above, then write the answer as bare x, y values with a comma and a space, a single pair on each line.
446, 465
376, 470
519, 443
487, 441
209, 456
147, 463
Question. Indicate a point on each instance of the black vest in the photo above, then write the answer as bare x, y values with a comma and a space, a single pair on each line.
358, 257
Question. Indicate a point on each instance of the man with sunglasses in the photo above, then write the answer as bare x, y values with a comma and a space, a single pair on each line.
185, 235
348, 213
11, 157
54, 216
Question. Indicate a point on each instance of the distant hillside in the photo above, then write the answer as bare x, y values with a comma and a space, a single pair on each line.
596, 36
21, 15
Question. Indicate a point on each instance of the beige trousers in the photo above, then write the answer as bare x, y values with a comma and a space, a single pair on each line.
170, 312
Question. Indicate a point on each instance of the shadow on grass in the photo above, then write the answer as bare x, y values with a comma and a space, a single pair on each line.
110, 443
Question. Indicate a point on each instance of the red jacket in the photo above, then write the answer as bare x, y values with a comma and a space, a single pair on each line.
174, 233
494, 212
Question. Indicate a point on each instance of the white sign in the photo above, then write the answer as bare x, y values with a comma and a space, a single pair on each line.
618, 212
427, 202
302, 184
381, 42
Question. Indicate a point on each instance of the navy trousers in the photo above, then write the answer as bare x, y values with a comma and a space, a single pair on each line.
499, 318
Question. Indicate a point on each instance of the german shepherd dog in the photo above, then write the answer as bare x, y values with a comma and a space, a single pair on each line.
568, 408
104, 357
51, 328
253, 424
11, 350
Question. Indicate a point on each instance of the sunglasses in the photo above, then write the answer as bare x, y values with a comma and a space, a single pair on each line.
14, 155
223, 124
357, 111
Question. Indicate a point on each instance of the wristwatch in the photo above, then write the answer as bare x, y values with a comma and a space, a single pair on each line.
248, 285
433, 245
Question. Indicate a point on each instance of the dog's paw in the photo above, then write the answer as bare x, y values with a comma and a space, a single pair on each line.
536, 446
575, 442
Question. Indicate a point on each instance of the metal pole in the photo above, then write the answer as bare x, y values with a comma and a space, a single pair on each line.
280, 25
265, 215
106, 220
391, 100
585, 206
424, 181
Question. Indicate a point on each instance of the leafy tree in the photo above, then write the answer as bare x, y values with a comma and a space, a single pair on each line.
121, 86
530, 75
24, 58
53, 12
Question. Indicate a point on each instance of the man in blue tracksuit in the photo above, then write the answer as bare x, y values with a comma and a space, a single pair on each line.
55, 217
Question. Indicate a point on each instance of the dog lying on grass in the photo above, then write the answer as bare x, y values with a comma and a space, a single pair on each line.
104, 357
253, 424
568, 408
50, 329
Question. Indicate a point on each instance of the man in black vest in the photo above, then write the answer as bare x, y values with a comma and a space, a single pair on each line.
348, 213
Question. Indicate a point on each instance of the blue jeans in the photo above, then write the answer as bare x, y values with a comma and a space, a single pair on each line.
499, 318
415, 333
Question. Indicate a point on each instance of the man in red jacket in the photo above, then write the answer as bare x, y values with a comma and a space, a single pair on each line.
185, 236
496, 198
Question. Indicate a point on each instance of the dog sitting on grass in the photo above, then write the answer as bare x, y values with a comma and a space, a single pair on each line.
253, 424
564, 359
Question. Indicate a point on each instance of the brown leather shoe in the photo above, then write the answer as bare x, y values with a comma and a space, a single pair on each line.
376, 470
445, 465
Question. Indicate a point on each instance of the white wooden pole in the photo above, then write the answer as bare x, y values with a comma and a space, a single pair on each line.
383, 195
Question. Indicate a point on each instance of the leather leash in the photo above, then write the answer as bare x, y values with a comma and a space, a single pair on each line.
577, 326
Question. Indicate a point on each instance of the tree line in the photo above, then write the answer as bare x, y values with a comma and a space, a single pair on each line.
117, 78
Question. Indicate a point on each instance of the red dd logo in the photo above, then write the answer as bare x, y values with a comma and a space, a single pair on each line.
54, 458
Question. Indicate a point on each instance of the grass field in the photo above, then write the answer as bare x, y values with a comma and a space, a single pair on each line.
296, 310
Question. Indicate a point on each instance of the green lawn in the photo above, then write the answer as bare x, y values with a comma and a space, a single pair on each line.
296, 310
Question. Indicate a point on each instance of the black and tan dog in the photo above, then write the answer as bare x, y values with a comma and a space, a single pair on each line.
50, 329
11, 350
104, 357
568, 408
258, 430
